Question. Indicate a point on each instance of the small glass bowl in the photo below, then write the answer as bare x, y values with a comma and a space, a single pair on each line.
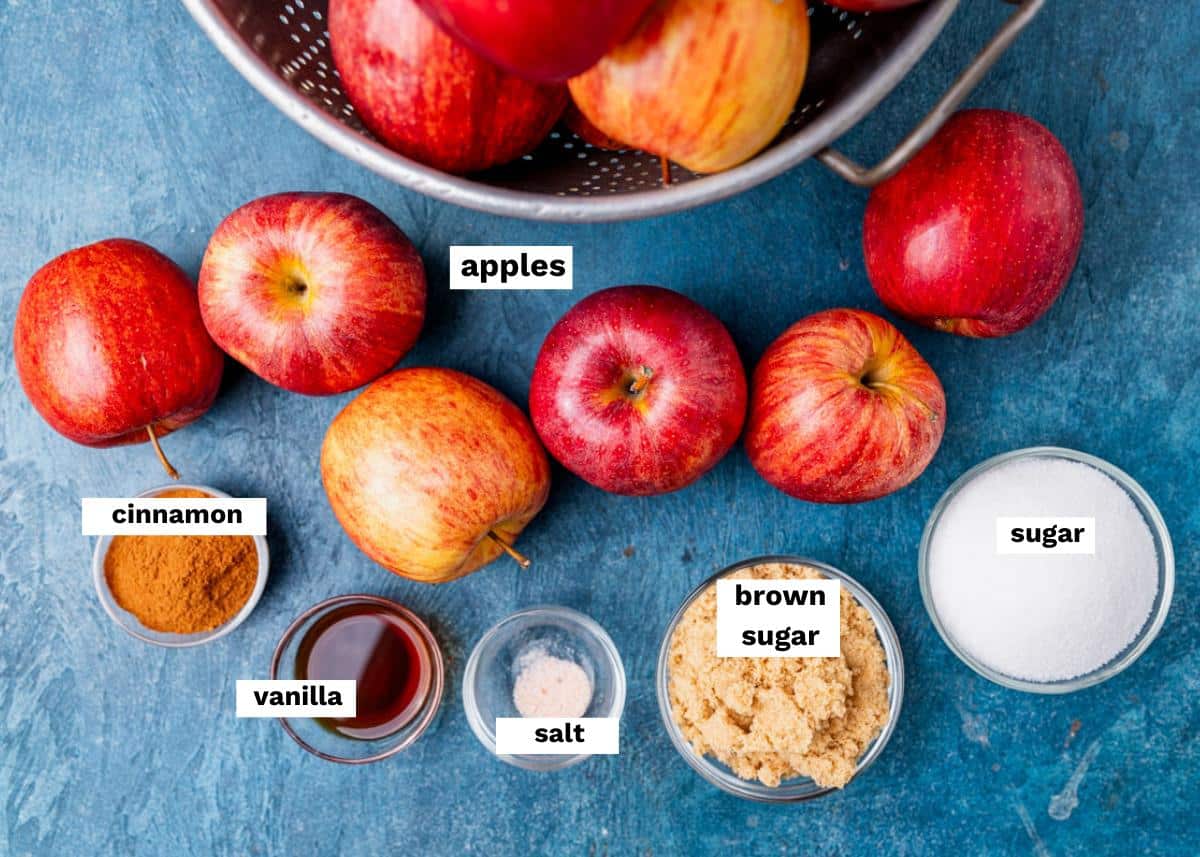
800, 788
329, 745
130, 624
1162, 547
565, 633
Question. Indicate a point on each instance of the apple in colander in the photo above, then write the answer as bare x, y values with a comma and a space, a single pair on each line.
706, 85
430, 97
871, 5
547, 40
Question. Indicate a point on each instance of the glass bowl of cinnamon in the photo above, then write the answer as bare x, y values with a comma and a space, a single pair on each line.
179, 591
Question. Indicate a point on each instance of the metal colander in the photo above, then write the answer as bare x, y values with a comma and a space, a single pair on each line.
282, 48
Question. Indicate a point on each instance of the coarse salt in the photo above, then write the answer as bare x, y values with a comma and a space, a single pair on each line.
1051, 616
549, 686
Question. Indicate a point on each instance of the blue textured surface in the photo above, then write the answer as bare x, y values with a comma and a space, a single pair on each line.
121, 119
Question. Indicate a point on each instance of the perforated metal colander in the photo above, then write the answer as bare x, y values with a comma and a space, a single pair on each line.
282, 48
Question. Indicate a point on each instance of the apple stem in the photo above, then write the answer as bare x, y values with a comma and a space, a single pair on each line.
162, 458
644, 374
666, 170
517, 556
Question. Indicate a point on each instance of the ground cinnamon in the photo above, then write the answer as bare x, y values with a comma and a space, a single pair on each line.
182, 584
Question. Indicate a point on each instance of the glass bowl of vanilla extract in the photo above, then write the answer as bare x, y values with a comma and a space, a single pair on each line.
391, 654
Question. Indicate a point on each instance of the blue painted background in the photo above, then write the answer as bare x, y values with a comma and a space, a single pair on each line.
121, 119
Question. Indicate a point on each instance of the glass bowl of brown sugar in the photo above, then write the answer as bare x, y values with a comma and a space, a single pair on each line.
179, 591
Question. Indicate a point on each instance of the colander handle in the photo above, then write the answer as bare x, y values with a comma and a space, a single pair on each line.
857, 174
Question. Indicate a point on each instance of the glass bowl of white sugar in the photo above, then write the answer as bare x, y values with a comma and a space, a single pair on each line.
1047, 570
542, 662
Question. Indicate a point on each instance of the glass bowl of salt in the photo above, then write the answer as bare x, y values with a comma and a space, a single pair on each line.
543, 661
1046, 570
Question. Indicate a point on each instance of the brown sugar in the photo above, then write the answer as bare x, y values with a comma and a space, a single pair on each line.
182, 584
772, 719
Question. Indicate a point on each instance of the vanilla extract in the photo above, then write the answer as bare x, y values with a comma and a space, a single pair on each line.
386, 657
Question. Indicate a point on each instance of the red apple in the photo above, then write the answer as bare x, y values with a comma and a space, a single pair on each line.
843, 409
638, 390
317, 293
110, 347
433, 473
707, 85
430, 97
546, 40
978, 233
871, 5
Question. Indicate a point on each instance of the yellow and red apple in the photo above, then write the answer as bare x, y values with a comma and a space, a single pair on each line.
317, 293
110, 347
843, 409
582, 127
706, 85
638, 390
433, 473
430, 97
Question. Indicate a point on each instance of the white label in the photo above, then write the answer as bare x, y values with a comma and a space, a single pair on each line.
332, 698
503, 267
1042, 536
557, 736
779, 618
174, 516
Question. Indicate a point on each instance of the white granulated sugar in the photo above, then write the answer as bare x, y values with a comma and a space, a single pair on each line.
1045, 617
549, 686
